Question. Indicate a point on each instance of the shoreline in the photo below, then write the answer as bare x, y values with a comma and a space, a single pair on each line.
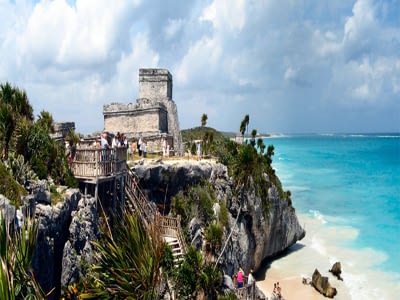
322, 246
291, 287
297, 263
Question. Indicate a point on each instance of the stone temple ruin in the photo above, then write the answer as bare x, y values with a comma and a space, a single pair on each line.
154, 116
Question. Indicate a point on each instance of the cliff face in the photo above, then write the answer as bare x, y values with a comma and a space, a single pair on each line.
65, 230
64, 234
256, 235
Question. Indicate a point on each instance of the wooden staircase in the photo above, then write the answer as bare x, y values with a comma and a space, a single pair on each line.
169, 227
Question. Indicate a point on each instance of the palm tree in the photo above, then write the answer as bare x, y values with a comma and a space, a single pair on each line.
244, 125
17, 99
45, 120
253, 137
7, 126
261, 145
246, 121
14, 106
242, 128
204, 119
270, 153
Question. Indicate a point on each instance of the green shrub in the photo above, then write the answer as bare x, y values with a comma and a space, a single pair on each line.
9, 187
71, 181
213, 235
180, 206
223, 214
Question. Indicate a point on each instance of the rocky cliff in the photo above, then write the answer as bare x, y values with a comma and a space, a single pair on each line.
64, 233
257, 232
65, 229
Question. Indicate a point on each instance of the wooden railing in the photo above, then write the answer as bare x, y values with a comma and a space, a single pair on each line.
95, 162
146, 210
246, 292
169, 226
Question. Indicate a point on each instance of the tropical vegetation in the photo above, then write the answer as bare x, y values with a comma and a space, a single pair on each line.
27, 150
17, 280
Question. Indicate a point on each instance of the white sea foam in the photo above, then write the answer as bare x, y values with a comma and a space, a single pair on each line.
325, 244
317, 215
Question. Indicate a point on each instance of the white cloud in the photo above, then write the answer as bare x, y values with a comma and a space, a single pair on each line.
290, 74
173, 27
204, 53
285, 63
360, 30
227, 15
73, 36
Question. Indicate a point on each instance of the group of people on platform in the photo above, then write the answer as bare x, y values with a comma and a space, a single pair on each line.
107, 142
142, 147
139, 145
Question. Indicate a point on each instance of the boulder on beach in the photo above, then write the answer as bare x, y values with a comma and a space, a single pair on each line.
322, 285
336, 270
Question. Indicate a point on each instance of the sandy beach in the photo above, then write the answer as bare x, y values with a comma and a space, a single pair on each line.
359, 280
298, 263
291, 287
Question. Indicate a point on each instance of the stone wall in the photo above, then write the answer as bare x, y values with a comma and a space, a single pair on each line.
154, 115
155, 84
132, 119
61, 129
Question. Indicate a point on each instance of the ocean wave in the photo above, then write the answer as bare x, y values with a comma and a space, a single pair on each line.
361, 135
277, 135
317, 215
298, 188
388, 136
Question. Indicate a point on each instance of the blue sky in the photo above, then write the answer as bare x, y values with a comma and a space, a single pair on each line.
293, 66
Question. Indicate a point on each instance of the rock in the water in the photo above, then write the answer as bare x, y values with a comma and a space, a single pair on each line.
336, 270
322, 285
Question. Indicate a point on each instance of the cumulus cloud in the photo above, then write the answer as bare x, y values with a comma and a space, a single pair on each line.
290, 65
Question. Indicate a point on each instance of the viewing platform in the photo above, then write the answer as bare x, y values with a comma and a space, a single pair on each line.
96, 164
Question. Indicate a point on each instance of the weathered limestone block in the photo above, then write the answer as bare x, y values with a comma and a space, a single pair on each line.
155, 83
153, 114
322, 285
78, 252
337, 270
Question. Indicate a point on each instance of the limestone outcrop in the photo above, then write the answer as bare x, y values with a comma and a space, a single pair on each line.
54, 221
322, 285
337, 270
78, 251
65, 230
256, 235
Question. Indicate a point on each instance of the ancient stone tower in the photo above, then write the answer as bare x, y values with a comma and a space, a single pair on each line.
154, 116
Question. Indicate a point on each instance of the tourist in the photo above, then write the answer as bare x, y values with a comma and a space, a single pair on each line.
124, 140
198, 150
134, 146
71, 151
144, 149
239, 278
139, 145
115, 142
104, 141
251, 282
164, 147
104, 146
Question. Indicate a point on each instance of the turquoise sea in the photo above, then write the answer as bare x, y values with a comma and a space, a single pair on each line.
350, 184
